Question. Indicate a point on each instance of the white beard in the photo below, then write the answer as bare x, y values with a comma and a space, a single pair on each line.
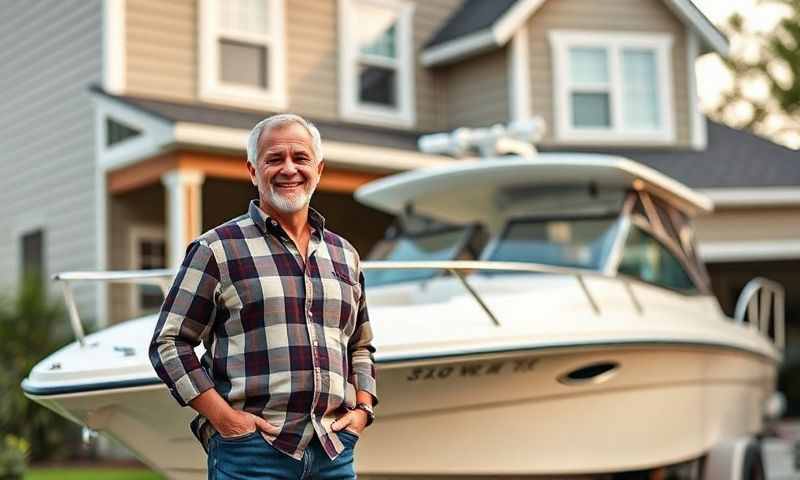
292, 204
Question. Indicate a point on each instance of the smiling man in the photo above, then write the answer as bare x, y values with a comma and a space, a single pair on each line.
287, 383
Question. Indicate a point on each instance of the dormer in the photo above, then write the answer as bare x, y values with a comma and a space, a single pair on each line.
611, 73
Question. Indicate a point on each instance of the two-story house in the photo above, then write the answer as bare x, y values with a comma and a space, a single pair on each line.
123, 122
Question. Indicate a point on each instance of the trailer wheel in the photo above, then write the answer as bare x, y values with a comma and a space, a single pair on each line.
753, 464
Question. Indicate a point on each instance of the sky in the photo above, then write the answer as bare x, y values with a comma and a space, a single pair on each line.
761, 16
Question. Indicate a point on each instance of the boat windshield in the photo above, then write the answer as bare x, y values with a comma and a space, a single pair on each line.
575, 242
440, 244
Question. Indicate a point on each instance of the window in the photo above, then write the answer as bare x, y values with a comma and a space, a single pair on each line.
117, 132
566, 242
646, 258
376, 77
242, 52
444, 243
148, 253
32, 258
612, 87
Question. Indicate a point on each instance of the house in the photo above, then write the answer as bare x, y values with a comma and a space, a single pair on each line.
123, 121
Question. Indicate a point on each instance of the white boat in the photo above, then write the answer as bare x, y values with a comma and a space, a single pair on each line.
545, 316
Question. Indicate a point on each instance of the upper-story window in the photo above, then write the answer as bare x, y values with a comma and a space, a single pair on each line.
242, 53
376, 68
612, 87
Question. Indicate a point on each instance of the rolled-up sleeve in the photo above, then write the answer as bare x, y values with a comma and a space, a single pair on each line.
186, 319
361, 350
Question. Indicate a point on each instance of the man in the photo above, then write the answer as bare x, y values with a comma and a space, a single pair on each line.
287, 382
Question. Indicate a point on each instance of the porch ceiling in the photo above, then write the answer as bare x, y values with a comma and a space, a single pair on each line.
218, 165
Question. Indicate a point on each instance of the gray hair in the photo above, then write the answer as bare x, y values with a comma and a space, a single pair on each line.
282, 120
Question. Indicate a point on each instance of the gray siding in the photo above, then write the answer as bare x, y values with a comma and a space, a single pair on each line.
476, 90
51, 52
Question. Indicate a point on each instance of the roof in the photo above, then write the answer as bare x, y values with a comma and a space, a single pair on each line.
206, 114
473, 16
467, 191
480, 25
733, 158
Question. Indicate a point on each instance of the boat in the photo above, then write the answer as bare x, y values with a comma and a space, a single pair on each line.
543, 315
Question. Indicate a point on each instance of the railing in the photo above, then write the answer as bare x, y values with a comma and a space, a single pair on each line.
458, 268
759, 299
160, 278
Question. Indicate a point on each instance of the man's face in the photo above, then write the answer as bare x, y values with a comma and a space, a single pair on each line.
286, 172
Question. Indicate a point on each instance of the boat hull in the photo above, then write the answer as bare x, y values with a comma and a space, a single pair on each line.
500, 413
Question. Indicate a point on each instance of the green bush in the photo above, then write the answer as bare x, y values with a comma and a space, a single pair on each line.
31, 327
13, 457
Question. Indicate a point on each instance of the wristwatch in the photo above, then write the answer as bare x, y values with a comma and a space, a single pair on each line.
367, 408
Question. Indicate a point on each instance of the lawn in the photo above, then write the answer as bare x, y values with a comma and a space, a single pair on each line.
91, 474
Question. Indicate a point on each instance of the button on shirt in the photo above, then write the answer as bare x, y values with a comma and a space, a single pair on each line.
286, 338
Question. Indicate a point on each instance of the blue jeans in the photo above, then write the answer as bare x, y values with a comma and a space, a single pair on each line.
251, 457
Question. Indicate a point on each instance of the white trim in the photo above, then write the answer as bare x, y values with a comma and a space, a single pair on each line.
749, 250
404, 115
212, 89
136, 233
690, 15
114, 46
751, 197
514, 18
519, 88
455, 50
562, 40
155, 134
211, 136
101, 239
507, 24
697, 121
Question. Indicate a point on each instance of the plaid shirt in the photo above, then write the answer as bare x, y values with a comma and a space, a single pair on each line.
285, 339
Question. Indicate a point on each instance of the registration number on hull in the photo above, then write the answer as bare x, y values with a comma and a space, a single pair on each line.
471, 370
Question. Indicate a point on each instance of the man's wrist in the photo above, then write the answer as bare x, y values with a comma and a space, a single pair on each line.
368, 411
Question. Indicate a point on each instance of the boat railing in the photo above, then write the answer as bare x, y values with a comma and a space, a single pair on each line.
762, 305
160, 277
461, 268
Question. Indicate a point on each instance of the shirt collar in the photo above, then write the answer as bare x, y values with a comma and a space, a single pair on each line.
266, 223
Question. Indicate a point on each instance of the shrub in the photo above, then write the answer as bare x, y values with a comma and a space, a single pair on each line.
31, 327
13, 457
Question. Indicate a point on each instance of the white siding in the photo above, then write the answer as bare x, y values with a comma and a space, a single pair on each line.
52, 52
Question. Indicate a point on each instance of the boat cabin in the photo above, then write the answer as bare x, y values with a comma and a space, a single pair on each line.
589, 212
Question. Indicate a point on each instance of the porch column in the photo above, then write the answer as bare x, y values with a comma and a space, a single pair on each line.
184, 211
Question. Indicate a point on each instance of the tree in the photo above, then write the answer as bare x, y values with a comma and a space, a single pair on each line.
765, 93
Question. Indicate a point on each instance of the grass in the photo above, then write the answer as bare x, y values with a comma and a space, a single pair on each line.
91, 474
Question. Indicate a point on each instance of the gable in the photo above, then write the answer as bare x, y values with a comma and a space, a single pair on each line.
480, 25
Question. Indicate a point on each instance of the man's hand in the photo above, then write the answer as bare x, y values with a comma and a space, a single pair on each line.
237, 423
355, 420
228, 421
